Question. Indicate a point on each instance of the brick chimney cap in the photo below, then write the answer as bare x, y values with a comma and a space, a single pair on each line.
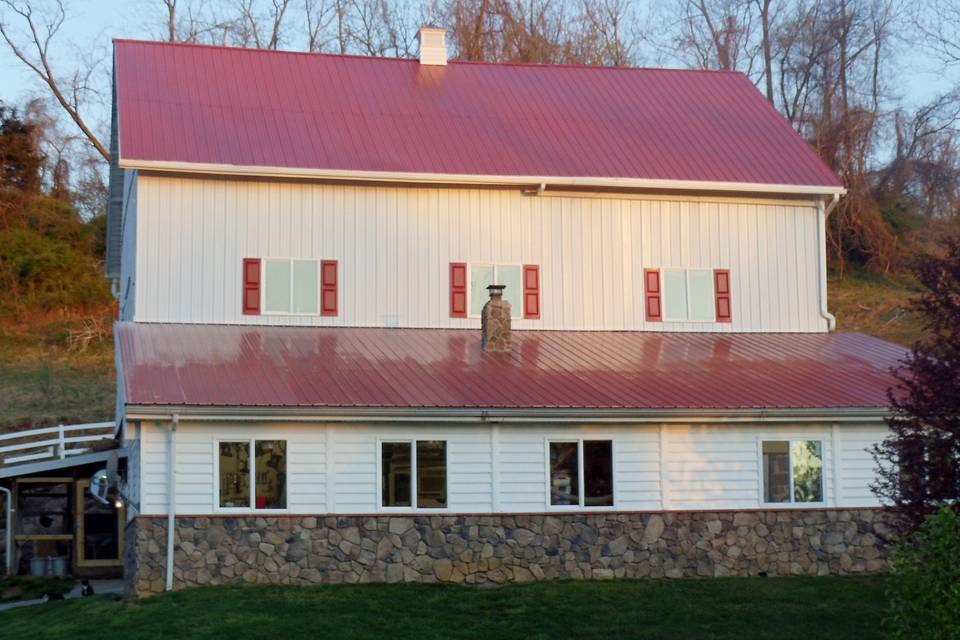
496, 289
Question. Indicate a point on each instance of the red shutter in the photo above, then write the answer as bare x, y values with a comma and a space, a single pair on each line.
251, 286
328, 287
721, 287
531, 291
651, 286
458, 290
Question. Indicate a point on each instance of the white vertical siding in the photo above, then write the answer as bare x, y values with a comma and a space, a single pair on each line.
395, 245
503, 468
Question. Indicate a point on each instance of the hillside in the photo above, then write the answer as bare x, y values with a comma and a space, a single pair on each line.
63, 371
55, 372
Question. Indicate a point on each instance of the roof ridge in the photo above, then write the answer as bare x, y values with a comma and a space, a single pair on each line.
509, 63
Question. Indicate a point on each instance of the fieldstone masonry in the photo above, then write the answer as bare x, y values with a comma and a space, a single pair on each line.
493, 549
495, 321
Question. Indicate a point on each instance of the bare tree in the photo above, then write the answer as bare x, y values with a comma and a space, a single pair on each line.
263, 29
33, 49
717, 34
938, 22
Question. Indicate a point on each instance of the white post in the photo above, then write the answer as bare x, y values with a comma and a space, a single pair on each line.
171, 497
9, 536
63, 445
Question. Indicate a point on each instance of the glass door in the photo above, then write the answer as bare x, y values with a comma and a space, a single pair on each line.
99, 535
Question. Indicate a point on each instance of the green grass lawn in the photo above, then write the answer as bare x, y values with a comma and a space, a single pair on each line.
27, 588
776, 608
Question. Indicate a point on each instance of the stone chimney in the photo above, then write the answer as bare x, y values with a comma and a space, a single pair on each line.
433, 46
495, 321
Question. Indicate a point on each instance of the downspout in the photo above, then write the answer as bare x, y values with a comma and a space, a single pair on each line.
822, 213
171, 497
9, 536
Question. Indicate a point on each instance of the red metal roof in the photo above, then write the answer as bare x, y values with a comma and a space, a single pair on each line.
230, 106
217, 365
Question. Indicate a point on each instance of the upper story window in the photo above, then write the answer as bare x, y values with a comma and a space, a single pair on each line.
581, 473
687, 295
290, 286
469, 282
483, 275
267, 485
792, 471
413, 474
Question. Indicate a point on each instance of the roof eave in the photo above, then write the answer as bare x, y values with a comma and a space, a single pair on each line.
504, 415
533, 182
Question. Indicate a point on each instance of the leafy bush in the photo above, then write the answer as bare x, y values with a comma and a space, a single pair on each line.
925, 587
39, 273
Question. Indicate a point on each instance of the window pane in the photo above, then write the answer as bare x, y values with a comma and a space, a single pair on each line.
807, 458
776, 471
675, 295
431, 474
395, 463
277, 293
270, 482
701, 295
598, 473
511, 277
564, 481
306, 286
481, 276
44, 508
234, 474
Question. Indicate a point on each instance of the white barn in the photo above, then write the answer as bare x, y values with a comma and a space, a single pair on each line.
302, 246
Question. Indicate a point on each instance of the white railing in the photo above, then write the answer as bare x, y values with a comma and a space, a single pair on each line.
53, 442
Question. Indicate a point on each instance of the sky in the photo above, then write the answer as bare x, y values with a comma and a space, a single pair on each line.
920, 77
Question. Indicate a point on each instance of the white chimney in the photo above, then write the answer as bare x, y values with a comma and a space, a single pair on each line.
433, 46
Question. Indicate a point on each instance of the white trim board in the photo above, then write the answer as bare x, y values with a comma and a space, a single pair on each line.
534, 183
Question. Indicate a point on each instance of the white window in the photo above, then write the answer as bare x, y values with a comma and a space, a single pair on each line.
291, 286
688, 295
265, 488
413, 474
581, 473
483, 275
792, 471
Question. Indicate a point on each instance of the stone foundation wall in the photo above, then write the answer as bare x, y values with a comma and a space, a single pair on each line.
501, 548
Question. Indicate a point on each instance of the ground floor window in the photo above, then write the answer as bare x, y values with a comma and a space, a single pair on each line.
581, 473
414, 474
792, 471
267, 484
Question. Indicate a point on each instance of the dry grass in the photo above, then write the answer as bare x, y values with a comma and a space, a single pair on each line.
876, 306
58, 370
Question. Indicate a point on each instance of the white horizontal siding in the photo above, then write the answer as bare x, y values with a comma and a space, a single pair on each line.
503, 468
855, 464
395, 245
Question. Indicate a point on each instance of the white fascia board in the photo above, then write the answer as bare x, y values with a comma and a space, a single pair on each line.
533, 182
497, 416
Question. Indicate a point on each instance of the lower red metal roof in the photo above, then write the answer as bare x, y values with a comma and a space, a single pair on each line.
248, 366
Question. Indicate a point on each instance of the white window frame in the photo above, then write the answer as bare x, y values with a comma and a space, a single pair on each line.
413, 475
251, 452
581, 481
686, 275
790, 439
514, 315
263, 287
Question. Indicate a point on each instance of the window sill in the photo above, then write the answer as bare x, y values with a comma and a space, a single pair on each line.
799, 506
